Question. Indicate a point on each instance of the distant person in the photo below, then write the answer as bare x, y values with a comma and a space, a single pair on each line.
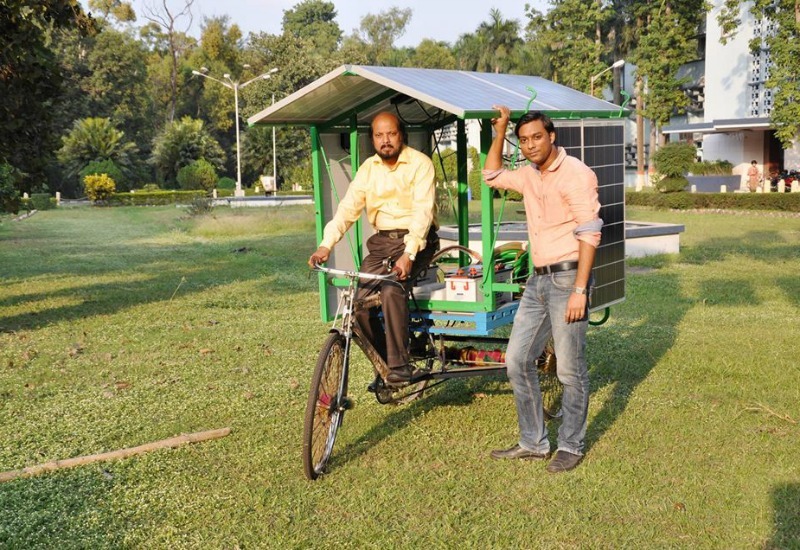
753, 176
396, 187
561, 209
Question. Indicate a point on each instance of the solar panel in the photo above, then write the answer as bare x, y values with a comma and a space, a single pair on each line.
601, 147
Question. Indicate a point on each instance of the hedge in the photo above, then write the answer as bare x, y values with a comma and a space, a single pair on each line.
153, 198
785, 202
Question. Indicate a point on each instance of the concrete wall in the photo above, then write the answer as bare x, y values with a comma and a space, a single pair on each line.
727, 67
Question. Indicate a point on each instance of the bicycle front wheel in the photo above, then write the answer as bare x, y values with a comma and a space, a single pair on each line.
327, 402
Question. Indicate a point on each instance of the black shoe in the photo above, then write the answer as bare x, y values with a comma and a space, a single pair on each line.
519, 453
399, 375
372, 387
563, 462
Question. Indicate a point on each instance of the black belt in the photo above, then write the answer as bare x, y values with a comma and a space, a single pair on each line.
555, 268
394, 233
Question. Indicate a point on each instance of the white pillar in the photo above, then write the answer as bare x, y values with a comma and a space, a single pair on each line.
58, 197
693, 189
723, 188
796, 186
214, 193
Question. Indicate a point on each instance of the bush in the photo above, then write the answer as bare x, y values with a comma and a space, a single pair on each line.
200, 206
674, 159
226, 183
150, 187
198, 175
10, 200
107, 167
786, 202
42, 201
99, 187
154, 198
181, 143
712, 168
671, 184
475, 182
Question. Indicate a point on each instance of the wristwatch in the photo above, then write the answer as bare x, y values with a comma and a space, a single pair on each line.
579, 290
412, 257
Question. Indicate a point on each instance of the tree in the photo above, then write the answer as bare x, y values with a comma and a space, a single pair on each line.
314, 20
378, 33
430, 54
117, 10
784, 49
502, 37
570, 30
181, 143
30, 82
95, 139
168, 21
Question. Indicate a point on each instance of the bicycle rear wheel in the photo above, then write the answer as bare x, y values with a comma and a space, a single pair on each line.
549, 384
327, 402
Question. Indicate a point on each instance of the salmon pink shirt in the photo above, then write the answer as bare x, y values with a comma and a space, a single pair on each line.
561, 206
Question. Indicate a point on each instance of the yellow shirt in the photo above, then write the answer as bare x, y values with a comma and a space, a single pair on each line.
402, 196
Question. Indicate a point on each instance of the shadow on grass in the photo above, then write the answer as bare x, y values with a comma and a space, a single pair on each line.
621, 355
60, 510
156, 274
786, 502
766, 246
455, 392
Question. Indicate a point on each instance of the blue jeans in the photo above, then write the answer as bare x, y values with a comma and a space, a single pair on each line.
540, 314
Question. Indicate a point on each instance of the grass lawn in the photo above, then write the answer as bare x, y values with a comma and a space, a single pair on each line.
121, 326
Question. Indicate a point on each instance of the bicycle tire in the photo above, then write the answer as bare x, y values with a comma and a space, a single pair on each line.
325, 408
549, 384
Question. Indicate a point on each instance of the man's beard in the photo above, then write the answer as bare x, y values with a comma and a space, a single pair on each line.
390, 156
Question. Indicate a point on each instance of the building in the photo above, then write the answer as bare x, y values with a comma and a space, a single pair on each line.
731, 120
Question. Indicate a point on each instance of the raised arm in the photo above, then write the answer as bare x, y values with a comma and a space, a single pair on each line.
494, 158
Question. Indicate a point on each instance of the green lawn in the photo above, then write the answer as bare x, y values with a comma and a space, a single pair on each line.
127, 325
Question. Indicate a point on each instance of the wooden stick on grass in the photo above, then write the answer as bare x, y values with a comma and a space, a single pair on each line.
170, 443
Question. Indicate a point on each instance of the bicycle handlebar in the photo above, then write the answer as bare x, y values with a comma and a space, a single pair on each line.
355, 274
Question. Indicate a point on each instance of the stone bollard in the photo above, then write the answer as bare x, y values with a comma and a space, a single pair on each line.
25, 196
767, 187
693, 189
214, 193
58, 198
723, 188
796, 186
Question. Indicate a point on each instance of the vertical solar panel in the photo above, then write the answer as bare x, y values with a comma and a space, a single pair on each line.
601, 145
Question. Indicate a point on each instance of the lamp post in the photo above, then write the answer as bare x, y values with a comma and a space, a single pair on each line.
617, 64
274, 155
235, 86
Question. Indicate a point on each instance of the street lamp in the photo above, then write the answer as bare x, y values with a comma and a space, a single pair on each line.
617, 64
235, 86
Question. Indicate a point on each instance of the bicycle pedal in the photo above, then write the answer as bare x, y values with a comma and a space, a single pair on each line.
347, 403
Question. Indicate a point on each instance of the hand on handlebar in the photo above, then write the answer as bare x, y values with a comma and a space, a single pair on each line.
319, 257
402, 267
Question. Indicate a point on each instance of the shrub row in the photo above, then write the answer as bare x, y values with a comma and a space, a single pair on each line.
152, 198
786, 202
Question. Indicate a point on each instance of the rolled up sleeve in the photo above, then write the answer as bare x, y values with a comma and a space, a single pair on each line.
582, 197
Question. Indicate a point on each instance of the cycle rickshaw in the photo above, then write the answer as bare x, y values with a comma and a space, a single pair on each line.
469, 296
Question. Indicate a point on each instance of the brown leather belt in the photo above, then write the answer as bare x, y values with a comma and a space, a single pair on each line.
555, 268
394, 233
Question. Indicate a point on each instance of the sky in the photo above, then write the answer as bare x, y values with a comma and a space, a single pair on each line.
437, 19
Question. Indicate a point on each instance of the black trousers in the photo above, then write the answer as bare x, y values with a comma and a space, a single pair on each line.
392, 343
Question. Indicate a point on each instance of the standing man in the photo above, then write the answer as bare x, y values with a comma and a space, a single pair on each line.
396, 187
561, 208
